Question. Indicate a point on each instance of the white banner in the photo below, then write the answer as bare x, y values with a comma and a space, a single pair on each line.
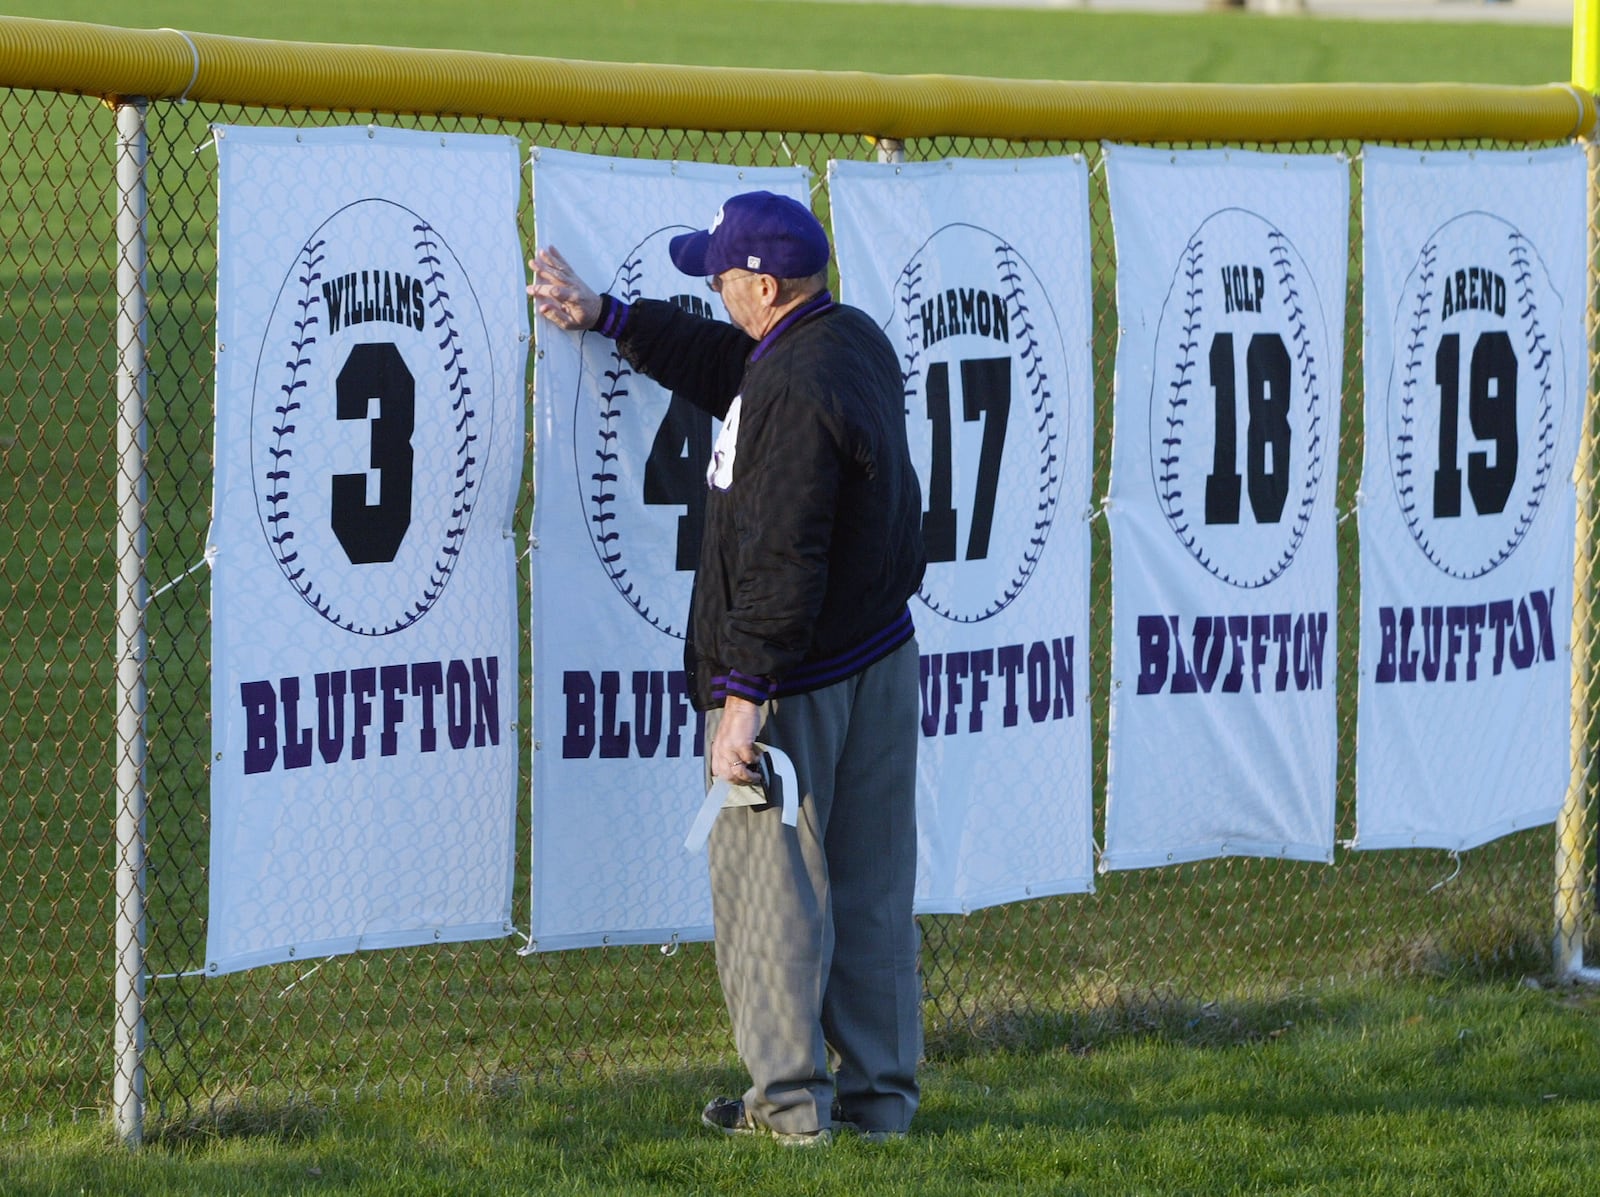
620, 485
371, 352
1231, 271
1475, 363
979, 274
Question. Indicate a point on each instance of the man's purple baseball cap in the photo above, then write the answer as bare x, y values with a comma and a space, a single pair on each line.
759, 231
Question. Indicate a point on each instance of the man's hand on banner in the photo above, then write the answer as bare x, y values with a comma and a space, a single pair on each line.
559, 295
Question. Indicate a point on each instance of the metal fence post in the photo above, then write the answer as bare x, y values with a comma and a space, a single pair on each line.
1573, 833
131, 596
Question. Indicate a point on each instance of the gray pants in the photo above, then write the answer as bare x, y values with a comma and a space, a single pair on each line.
816, 944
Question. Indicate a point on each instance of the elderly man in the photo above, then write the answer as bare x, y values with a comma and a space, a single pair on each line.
800, 633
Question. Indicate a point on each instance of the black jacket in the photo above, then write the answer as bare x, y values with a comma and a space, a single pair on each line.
810, 554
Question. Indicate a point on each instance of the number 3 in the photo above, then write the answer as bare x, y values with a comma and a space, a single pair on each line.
371, 533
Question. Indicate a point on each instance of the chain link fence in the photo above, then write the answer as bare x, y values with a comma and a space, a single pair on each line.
1148, 948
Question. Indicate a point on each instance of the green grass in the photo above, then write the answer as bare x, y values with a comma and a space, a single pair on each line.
896, 39
1465, 1088
1072, 1041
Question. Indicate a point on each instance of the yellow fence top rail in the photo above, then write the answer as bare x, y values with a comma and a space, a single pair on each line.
161, 64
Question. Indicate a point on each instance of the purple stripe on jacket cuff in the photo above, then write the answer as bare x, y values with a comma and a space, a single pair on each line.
817, 674
613, 317
852, 660
742, 685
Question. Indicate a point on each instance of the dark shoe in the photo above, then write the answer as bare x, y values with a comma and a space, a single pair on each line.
845, 1125
728, 1115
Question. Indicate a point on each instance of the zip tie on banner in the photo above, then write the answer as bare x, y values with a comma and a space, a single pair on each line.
1455, 856
194, 53
784, 142
1354, 507
671, 948
208, 558
284, 992
193, 972
529, 947
1098, 510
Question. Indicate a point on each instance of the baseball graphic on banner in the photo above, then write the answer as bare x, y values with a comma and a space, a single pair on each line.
1239, 399
985, 415
366, 443
640, 453
1474, 397
372, 337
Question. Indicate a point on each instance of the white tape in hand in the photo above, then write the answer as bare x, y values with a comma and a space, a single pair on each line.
724, 793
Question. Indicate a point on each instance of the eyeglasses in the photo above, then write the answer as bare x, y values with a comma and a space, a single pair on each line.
717, 281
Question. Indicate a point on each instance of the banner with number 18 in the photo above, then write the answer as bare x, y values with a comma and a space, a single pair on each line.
1230, 303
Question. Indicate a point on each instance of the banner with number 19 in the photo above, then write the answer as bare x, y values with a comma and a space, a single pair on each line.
1474, 364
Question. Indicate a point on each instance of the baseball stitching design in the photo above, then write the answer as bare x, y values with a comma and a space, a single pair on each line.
624, 412
460, 409
1040, 414
1168, 427
1166, 474
280, 516
280, 534
599, 481
1536, 352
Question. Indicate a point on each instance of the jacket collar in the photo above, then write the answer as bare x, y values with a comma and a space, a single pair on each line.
820, 302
